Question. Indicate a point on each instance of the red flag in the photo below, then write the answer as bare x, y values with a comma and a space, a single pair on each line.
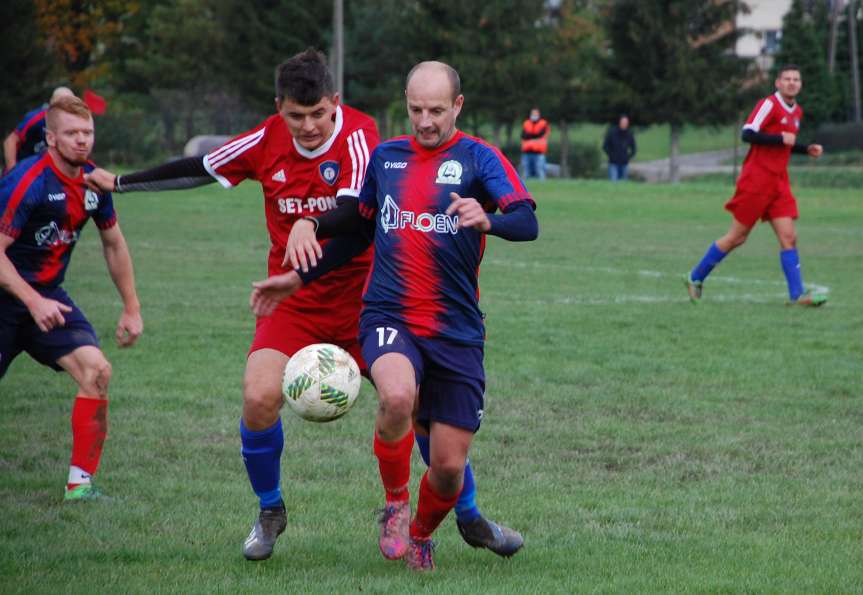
96, 103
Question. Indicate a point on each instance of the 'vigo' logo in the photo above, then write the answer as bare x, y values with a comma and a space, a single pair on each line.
392, 217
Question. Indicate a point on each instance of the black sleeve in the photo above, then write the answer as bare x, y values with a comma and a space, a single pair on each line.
345, 219
800, 148
174, 175
517, 223
336, 252
759, 138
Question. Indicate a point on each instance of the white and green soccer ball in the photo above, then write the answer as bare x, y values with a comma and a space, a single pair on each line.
321, 382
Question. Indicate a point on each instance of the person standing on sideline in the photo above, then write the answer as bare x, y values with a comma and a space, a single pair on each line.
427, 203
619, 145
44, 205
534, 145
28, 138
763, 191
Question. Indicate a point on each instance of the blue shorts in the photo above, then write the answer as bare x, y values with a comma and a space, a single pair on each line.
450, 375
18, 331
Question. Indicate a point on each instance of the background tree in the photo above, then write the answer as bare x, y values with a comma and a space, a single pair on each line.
675, 63
806, 42
28, 68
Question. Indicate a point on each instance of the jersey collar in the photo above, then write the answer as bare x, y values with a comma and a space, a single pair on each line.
418, 148
781, 100
327, 145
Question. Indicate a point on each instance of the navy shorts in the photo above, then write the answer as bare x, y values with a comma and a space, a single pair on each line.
450, 375
18, 331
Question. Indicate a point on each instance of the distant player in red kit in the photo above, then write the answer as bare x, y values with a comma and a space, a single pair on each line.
763, 191
312, 152
44, 206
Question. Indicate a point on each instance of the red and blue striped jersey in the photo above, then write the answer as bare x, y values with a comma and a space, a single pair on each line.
44, 210
425, 272
31, 133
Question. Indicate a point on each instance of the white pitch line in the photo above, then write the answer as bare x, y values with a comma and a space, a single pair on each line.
645, 273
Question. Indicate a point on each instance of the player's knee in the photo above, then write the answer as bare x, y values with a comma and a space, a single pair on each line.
448, 475
261, 406
788, 239
397, 402
97, 377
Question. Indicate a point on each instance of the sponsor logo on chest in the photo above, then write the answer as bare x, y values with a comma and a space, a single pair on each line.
57, 196
393, 217
52, 235
306, 206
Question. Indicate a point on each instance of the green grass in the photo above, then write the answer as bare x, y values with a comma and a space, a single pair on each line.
642, 444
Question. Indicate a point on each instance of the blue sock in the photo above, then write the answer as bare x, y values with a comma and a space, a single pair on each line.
465, 507
711, 258
262, 454
791, 267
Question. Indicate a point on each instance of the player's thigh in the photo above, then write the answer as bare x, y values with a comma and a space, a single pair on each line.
394, 359
90, 369
262, 380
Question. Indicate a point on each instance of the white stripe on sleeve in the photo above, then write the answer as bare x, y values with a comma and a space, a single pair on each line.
759, 118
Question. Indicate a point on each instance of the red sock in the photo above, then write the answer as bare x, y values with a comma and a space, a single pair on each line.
89, 430
432, 508
394, 463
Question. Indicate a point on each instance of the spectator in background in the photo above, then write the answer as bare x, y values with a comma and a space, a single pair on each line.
28, 138
619, 145
534, 145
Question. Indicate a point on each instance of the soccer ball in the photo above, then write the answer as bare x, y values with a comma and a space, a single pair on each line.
321, 382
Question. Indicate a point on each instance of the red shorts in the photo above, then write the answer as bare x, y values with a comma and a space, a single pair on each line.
762, 194
288, 330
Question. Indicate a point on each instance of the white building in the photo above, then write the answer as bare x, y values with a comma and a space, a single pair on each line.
764, 25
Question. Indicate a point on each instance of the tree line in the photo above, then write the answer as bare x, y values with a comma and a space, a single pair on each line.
171, 69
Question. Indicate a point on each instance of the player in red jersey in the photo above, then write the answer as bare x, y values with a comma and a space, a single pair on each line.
427, 202
311, 153
763, 191
44, 206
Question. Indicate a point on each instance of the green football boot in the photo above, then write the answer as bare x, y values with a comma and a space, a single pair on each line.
83, 493
693, 288
809, 300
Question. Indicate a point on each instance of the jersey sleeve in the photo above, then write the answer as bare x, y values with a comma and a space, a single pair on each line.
237, 159
368, 204
16, 204
105, 216
500, 179
759, 115
360, 143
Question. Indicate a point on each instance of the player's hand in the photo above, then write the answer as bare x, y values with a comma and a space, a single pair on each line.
129, 328
269, 293
815, 150
48, 313
470, 213
789, 138
100, 180
303, 248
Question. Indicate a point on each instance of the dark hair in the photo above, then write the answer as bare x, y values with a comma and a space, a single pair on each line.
785, 67
452, 75
304, 78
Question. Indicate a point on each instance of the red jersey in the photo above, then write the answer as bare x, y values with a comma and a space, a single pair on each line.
772, 116
299, 183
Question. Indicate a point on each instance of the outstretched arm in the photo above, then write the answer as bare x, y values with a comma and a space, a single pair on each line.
130, 326
173, 175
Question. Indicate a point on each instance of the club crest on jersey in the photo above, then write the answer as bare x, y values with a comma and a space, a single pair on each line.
91, 200
449, 173
329, 171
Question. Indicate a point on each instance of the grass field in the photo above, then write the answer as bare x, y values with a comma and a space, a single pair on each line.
640, 443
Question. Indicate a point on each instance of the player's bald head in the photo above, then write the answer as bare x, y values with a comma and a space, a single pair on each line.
432, 73
61, 92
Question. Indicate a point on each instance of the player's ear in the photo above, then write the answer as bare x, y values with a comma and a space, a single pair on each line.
335, 99
459, 101
50, 138
278, 103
